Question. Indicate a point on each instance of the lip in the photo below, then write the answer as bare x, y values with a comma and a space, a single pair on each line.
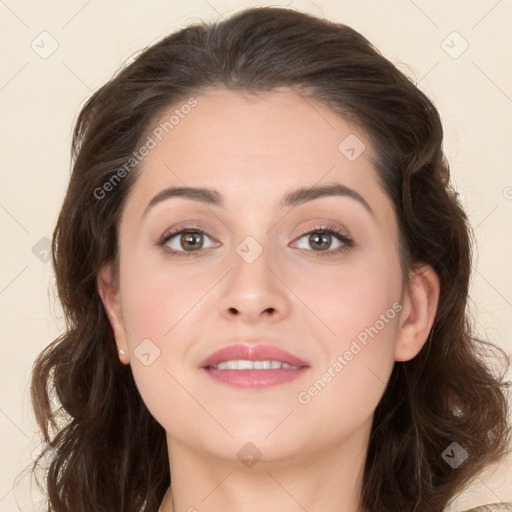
259, 352
253, 379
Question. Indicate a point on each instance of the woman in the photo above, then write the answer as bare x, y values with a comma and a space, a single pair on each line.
264, 271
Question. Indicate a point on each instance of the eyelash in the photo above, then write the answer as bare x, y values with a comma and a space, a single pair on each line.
347, 242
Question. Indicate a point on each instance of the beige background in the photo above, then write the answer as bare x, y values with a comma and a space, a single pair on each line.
41, 94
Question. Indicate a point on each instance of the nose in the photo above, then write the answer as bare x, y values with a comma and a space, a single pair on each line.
253, 291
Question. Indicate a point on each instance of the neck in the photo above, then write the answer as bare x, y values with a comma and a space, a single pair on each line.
327, 481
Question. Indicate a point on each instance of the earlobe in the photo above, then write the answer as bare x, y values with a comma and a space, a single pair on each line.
418, 315
108, 290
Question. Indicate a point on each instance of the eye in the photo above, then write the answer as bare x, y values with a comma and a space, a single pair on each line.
189, 241
321, 238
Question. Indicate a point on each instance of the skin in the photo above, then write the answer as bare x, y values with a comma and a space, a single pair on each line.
254, 150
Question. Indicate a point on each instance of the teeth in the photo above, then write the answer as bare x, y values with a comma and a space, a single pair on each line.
242, 364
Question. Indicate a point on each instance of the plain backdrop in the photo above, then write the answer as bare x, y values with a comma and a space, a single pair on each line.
54, 54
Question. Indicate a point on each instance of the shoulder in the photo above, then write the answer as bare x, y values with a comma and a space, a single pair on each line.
492, 507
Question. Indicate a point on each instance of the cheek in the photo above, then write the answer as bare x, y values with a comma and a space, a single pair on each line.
342, 394
359, 308
162, 309
345, 395
351, 297
157, 300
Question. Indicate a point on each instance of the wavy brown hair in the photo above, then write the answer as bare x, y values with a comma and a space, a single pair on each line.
103, 449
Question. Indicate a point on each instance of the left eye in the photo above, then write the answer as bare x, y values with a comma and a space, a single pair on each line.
321, 238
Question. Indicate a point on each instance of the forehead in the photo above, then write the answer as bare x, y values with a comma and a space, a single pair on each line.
262, 142
256, 152
277, 124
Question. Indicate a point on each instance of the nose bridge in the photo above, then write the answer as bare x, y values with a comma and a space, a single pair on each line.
251, 287
251, 266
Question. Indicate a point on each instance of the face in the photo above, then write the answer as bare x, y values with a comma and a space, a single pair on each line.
315, 275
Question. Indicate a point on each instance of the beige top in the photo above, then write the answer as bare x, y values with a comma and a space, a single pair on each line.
493, 507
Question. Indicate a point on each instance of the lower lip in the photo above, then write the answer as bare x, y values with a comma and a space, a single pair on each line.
255, 379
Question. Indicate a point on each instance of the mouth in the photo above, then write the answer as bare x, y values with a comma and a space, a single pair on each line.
244, 364
256, 366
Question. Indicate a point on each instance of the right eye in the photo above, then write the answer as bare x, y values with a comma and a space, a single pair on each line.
189, 242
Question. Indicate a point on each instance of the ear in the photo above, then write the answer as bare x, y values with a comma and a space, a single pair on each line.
108, 290
417, 317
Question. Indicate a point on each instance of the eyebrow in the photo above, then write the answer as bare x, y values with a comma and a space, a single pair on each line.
291, 199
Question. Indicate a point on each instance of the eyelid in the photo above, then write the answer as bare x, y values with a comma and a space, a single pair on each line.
178, 229
324, 226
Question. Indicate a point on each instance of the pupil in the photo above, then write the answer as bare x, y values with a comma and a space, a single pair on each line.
191, 239
314, 239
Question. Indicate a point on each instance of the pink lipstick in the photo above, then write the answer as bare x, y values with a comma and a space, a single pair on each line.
256, 366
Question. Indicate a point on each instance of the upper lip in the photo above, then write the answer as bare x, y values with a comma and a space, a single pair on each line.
260, 352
